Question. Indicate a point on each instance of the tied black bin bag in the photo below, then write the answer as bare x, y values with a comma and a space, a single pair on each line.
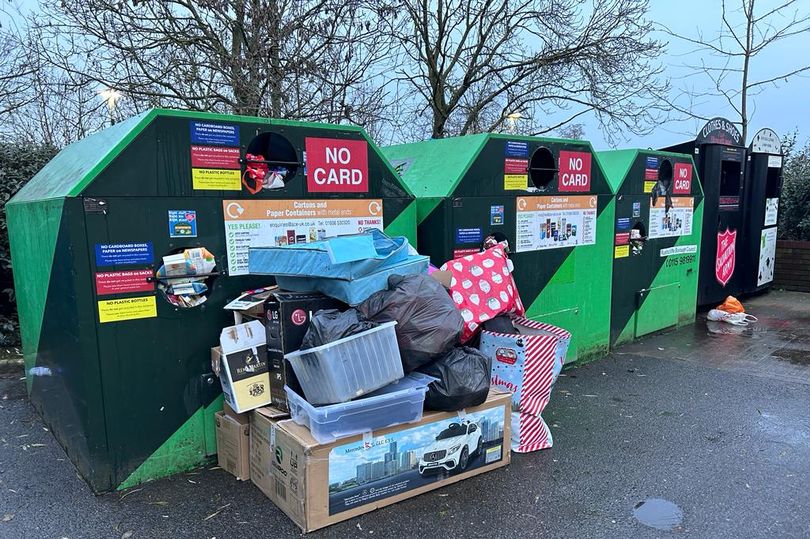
330, 325
463, 380
428, 323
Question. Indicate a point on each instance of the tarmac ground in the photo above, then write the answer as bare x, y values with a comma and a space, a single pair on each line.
711, 420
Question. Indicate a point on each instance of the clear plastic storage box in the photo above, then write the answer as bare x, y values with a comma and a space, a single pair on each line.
350, 367
394, 404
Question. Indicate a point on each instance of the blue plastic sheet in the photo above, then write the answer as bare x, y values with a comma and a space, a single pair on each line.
343, 257
356, 290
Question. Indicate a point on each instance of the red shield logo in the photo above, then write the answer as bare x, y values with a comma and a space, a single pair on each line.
726, 251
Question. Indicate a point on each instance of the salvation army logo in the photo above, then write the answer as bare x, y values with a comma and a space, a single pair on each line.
726, 250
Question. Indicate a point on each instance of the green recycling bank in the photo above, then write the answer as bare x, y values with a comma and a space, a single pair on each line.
551, 200
119, 369
656, 241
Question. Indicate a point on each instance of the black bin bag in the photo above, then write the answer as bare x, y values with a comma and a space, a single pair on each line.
463, 380
428, 323
330, 325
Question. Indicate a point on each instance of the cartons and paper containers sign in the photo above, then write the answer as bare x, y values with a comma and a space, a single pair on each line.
337, 165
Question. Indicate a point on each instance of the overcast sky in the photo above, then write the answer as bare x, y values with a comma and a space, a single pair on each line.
782, 109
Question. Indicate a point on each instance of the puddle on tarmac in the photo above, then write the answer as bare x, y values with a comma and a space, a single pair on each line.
752, 331
657, 513
793, 355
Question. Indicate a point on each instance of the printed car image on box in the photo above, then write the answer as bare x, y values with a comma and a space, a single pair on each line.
384, 466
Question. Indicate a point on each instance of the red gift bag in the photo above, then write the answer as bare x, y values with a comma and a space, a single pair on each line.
482, 287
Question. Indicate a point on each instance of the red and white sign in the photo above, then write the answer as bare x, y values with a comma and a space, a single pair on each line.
682, 178
460, 253
122, 282
215, 157
515, 166
726, 255
575, 172
337, 165
622, 238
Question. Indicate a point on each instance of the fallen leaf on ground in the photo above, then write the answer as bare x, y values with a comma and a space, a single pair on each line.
215, 513
130, 492
127, 534
8, 517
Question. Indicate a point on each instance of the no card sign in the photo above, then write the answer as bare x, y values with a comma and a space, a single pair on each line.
337, 165
683, 179
575, 172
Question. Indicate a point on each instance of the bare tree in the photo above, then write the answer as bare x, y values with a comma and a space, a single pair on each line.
728, 59
15, 69
467, 66
294, 59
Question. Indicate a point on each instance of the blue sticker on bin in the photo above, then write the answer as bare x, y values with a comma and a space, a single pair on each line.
119, 254
636, 209
623, 223
516, 148
496, 215
211, 133
182, 223
652, 162
468, 235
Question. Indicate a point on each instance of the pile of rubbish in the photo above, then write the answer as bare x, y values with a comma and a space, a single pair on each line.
361, 335
182, 277
729, 318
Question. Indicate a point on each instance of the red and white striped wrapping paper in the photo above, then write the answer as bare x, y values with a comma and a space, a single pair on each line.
527, 364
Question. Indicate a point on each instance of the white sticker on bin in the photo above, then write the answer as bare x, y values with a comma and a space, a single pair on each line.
272, 436
462, 415
367, 438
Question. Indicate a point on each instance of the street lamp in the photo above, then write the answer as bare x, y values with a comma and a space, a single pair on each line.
110, 96
512, 118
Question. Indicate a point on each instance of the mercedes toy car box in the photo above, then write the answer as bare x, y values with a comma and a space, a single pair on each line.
318, 485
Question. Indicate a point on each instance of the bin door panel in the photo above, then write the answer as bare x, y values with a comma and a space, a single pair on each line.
634, 263
158, 389
722, 262
658, 308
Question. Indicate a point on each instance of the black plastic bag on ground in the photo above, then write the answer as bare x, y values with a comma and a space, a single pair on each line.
428, 323
463, 375
330, 325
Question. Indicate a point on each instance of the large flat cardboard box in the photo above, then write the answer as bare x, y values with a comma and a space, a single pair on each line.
317, 485
233, 445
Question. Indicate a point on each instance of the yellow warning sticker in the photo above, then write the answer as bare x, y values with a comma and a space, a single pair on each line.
116, 310
513, 182
648, 187
213, 179
621, 251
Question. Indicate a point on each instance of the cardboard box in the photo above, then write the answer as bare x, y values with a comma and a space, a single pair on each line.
317, 485
233, 445
244, 371
261, 422
287, 316
249, 305
243, 418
